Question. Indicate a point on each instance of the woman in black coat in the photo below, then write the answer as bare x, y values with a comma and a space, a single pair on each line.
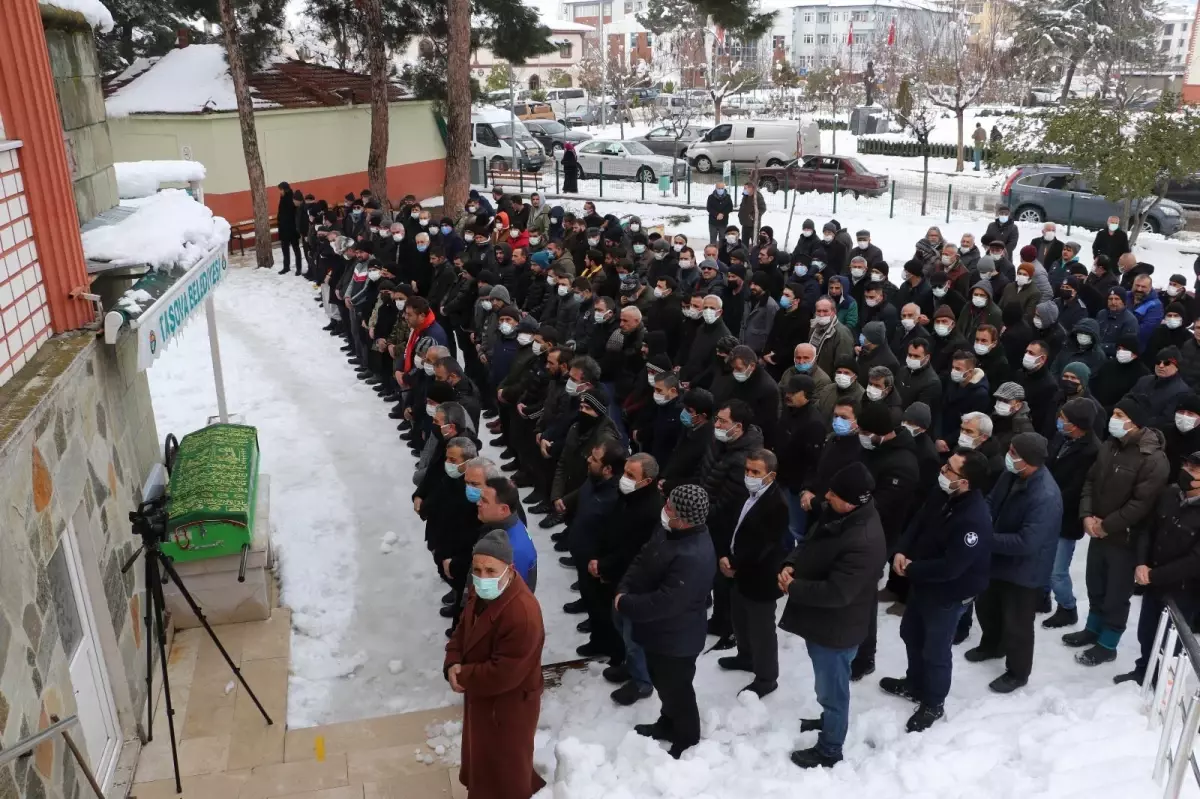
289, 235
570, 165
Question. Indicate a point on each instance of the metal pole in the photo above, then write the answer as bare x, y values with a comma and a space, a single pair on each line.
835, 193
82, 762
643, 189
557, 190
210, 315
689, 184
1183, 753
1070, 213
949, 196
31, 743
512, 116
603, 67
602, 180
892, 202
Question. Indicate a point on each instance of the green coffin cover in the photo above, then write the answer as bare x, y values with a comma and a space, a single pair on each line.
212, 493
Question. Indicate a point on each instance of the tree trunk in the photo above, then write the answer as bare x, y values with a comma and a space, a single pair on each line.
377, 58
958, 115
126, 44
1067, 79
924, 176
245, 106
458, 105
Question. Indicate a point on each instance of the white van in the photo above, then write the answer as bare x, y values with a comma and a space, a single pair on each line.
769, 142
492, 132
566, 101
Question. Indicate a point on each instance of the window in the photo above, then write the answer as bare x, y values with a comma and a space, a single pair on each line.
1179, 58
1168, 29
628, 6
1183, 28
823, 18
1181, 43
808, 16
720, 133
593, 147
808, 38
564, 50
779, 43
587, 10
1165, 46
749, 133
860, 16
649, 39
823, 38
632, 41
486, 136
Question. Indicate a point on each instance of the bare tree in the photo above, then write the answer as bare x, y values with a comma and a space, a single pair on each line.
458, 105
245, 107
377, 58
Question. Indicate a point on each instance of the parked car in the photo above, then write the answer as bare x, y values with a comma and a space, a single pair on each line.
668, 106
1186, 192
624, 159
591, 116
766, 142
552, 135
642, 95
1047, 192
526, 111
818, 173
492, 140
670, 141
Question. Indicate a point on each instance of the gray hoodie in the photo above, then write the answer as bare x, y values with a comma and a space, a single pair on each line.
486, 322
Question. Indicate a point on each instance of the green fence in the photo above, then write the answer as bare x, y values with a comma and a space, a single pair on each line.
912, 149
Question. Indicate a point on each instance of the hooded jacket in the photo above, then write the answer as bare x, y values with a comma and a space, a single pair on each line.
1092, 356
971, 317
1123, 485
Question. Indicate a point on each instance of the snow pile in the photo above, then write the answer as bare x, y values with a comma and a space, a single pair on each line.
142, 178
93, 11
388, 543
169, 229
184, 81
132, 300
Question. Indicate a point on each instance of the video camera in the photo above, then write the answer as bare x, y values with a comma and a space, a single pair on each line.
150, 519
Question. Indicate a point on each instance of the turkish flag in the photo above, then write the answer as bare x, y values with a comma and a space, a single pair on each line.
891, 40
850, 35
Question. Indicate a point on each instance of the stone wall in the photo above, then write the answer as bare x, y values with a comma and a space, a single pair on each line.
77, 437
76, 69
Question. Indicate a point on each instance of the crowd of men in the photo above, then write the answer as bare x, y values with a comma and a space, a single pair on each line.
770, 424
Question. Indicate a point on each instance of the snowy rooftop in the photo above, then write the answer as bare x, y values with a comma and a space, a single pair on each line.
565, 25
919, 5
166, 230
195, 79
93, 11
143, 178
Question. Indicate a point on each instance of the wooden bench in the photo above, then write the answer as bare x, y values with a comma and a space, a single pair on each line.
521, 181
245, 229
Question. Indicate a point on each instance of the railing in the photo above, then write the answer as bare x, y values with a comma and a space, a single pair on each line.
1176, 699
25, 747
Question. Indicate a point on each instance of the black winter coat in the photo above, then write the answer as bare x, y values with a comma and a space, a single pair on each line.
666, 315
1123, 485
1041, 391
836, 567
894, 466
684, 465
757, 551
722, 474
1069, 465
950, 544
581, 439
788, 329
800, 438
1115, 380
591, 509
1172, 548
666, 591
620, 543
838, 452
760, 392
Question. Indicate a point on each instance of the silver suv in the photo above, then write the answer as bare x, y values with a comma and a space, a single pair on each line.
1046, 192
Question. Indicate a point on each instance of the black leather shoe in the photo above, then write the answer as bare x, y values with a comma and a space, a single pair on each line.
571, 608
567, 562
535, 499
542, 507
553, 520
511, 466
584, 626
561, 546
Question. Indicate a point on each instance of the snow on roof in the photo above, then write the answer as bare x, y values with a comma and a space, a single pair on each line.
490, 113
142, 178
168, 229
93, 11
565, 26
184, 81
919, 5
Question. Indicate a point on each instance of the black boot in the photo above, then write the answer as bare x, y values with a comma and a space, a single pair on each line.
577, 606
924, 718
1136, 676
1063, 617
812, 725
553, 520
1080, 638
898, 686
861, 668
979, 655
584, 626
629, 693
1006, 683
812, 758
735, 663
1096, 655
616, 674
656, 731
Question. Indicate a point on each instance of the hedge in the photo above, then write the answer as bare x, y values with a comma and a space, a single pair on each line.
911, 149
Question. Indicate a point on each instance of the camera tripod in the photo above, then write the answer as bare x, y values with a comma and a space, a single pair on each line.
149, 522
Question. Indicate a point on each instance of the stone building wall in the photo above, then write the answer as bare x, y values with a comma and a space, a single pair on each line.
76, 69
77, 438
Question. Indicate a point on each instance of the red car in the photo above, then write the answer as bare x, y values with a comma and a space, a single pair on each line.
818, 173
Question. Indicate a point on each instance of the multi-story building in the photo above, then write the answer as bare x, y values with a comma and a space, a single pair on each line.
570, 40
1173, 38
849, 33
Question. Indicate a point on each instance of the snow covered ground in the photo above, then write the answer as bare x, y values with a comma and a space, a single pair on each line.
368, 640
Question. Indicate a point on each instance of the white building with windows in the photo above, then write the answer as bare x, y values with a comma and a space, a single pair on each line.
568, 38
821, 29
1174, 37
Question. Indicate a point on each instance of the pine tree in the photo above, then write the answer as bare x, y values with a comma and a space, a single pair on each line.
148, 28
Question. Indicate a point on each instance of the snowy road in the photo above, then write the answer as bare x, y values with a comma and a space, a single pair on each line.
368, 639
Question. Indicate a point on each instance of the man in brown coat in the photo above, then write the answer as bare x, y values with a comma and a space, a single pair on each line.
495, 660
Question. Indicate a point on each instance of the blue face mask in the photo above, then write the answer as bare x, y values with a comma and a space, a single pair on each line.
720, 192
862, 340
446, 230
1059, 425
785, 302
474, 494
422, 247
745, 192
842, 427
803, 367
685, 418
800, 269
356, 214
487, 588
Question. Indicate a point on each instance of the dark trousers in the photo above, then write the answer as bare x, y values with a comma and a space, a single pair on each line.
672, 677
749, 235
927, 630
721, 623
1109, 587
1006, 614
599, 597
1153, 604
291, 245
754, 626
866, 650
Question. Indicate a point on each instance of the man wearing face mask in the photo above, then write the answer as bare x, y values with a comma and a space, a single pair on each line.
865, 249
451, 518
720, 206
873, 350
916, 381
810, 245
1173, 332
1048, 247
1119, 374
592, 428
751, 211
1183, 434
1003, 230
848, 388
800, 436
1163, 389
1039, 385
804, 362
660, 428
909, 329
1071, 308
699, 351
548, 415
663, 595
665, 314
494, 660
1117, 505
945, 291
967, 391
945, 554
946, 340
752, 560
1167, 561
1111, 240
832, 340
1026, 511
837, 252
1082, 346
990, 356
1147, 307
873, 307
750, 383
889, 455
760, 314
1177, 291
1116, 320
514, 381
694, 442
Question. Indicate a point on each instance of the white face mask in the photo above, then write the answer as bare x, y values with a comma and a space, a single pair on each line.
1174, 290
452, 470
908, 324
877, 277
1022, 280
400, 305
731, 239
710, 315
677, 247
430, 410
942, 330
373, 275
1038, 323
661, 399
1030, 361
753, 484
514, 232
914, 363
691, 313
626, 485
600, 316
550, 281
397, 237
564, 291
979, 301
1116, 427
822, 321
1124, 356
857, 273
872, 303
982, 349
963, 248
1083, 339
686, 263
665, 519
1113, 228
1174, 322
862, 245
1003, 408
507, 328
659, 293
741, 377
874, 393
1048, 235
843, 380
635, 227
913, 431
947, 260
572, 387
965, 441
535, 240
423, 222
721, 434
485, 305
866, 441
940, 292
828, 238
957, 375
525, 338
593, 242
1185, 422
945, 483
538, 349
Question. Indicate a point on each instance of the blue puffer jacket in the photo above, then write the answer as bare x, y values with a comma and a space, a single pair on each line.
1026, 518
665, 591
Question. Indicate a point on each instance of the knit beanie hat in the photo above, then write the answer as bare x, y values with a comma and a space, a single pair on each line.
987, 265
1028, 253
1129, 341
1188, 402
495, 545
1080, 370
875, 418
853, 483
875, 332
919, 414
542, 258
1079, 412
1030, 447
528, 325
690, 503
800, 383
597, 398
1136, 408
1170, 353
1048, 312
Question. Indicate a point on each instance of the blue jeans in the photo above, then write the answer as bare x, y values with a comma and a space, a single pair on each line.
797, 517
1060, 577
831, 678
927, 630
978, 156
635, 656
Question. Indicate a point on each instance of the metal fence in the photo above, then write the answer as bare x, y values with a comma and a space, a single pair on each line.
1171, 687
940, 201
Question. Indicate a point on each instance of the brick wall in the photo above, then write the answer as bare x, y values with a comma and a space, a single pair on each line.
24, 315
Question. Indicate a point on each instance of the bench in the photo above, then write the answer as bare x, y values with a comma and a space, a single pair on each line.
245, 229
521, 180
